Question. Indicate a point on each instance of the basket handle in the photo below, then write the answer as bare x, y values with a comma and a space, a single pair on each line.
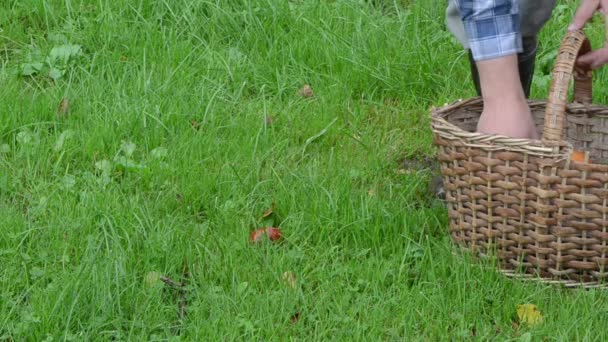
574, 44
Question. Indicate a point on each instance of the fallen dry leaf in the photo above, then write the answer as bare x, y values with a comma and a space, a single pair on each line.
273, 234
257, 235
529, 314
195, 124
391, 101
371, 192
295, 318
269, 120
64, 106
289, 279
269, 211
306, 91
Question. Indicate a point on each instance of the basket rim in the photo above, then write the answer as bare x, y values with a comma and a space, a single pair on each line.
493, 142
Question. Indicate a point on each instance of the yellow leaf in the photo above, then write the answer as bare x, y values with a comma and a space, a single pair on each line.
268, 211
528, 314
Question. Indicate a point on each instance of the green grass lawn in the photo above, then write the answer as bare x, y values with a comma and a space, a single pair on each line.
185, 125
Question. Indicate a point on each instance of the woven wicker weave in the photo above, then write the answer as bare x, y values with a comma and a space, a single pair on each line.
541, 214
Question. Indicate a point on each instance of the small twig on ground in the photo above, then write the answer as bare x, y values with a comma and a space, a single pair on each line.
181, 287
184, 300
170, 282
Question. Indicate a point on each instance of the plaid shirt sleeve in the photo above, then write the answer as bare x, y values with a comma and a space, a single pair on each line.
492, 27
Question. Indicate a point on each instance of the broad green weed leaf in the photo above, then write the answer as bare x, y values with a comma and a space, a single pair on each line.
65, 135
159, 152
57, 38
29, 69
236, 55
527, 337
127, 164
36, 272
56, 74
41, 206
245, 324
25, 137
68, 182
105, 166
242, 287
62, 53
128, 148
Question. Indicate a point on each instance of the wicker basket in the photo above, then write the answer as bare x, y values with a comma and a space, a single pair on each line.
541, 214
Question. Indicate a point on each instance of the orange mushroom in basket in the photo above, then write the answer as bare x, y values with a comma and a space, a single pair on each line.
579, 156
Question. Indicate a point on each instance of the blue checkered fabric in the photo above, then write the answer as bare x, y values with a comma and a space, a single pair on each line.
492, 27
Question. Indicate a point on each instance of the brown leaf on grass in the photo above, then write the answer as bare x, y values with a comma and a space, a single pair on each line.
269, 120
371, 192
64, 106
289, 278
295, 318
391, 101
195, 124
269, 211
306, 91
272, 233
257, 235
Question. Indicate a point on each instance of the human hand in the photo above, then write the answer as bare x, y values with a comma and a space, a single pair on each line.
585, 11
599, 57
594, 59
511, 118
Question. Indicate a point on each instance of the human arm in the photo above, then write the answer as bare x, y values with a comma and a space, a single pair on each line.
494, 37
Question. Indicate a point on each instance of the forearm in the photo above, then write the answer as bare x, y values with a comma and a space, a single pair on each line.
494, 36
499, 78
505, 109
